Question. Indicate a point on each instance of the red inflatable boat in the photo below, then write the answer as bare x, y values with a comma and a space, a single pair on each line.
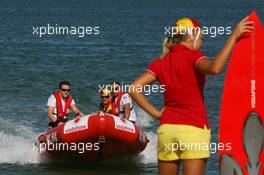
93, 137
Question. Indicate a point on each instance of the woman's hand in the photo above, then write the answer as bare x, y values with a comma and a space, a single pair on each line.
135, 91
242, 27
216, 66
158, 114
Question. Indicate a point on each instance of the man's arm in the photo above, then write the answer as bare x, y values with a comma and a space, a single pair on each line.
76, 110
127, 111
50, 114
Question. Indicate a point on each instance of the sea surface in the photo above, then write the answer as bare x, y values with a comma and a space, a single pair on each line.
130, 36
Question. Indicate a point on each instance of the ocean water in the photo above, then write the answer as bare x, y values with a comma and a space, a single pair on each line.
130, 36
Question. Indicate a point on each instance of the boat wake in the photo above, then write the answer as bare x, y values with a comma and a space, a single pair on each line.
16, 145
149, 155
17, 142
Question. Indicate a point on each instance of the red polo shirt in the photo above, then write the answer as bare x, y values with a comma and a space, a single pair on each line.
183, 96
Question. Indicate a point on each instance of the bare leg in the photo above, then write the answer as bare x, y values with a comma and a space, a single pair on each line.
194, 167
168, 167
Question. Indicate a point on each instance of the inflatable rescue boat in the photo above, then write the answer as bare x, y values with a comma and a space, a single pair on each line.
93, 137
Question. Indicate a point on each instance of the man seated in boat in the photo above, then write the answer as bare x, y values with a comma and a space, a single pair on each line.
123, 103
106, 103
60, 103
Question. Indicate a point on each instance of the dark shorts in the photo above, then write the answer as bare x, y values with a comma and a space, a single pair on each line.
53, 124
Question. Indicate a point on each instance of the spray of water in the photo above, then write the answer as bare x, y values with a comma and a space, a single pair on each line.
16, 144
149, 155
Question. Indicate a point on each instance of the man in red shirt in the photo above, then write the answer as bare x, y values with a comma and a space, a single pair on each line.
60, 103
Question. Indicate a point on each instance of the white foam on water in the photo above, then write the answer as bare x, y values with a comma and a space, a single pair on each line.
16, 146
143, 119
17, 142
149, 155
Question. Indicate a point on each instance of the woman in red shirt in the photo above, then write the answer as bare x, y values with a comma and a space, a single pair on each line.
184, 130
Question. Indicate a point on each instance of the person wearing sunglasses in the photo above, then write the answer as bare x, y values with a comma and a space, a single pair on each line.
60, 103
106, 103
123, 103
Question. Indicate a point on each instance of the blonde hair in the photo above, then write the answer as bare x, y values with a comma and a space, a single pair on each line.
169, 41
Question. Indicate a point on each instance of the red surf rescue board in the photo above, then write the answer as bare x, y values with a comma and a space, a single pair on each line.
242, 110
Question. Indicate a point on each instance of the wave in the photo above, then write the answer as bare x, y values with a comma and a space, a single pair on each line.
17, 144
149, 155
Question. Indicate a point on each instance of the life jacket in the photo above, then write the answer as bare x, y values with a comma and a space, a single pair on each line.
109, 108
117, 103
60, 112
